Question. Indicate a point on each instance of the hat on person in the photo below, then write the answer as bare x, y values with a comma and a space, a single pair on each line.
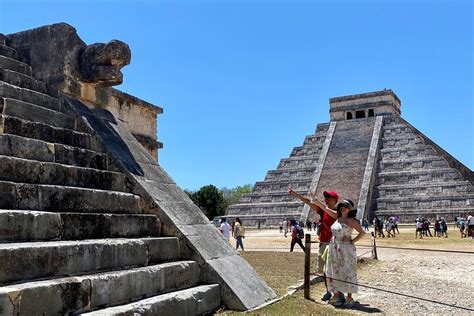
347, 203
332, 194
350, 205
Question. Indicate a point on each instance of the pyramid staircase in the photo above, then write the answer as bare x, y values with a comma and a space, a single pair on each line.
73, 239
415, 177
269, 201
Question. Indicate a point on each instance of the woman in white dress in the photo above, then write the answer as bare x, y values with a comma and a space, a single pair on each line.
341, 265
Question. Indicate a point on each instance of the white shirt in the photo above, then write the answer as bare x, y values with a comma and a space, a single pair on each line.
470, 220
225, 229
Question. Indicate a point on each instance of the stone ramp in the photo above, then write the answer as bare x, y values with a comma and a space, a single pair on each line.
415, 177
269, 201
73, 235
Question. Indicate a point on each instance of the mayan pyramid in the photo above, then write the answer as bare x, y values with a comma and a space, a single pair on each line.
89, 221
370, 154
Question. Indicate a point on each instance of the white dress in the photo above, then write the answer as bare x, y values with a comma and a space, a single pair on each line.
342, 260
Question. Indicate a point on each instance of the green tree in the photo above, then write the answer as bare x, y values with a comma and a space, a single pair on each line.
210, 201
232, 196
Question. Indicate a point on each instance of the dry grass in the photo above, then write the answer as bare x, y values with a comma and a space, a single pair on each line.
282, 269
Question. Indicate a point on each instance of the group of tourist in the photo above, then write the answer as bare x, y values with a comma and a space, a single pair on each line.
337, 258
465, 226
237, 230
423, 228
387, 225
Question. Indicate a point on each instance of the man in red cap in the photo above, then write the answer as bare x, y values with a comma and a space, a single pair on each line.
331, 198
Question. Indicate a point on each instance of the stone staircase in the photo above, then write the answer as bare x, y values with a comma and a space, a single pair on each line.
73, 239
346, 160
269, 198
415, 179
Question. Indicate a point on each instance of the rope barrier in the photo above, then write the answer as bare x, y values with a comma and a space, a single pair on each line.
402, 294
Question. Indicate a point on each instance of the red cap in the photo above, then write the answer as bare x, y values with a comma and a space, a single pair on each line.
331, 194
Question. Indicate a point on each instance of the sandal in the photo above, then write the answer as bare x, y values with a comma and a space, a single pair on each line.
349, 302
337, 301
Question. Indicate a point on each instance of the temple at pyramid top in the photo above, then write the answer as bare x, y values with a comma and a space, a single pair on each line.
364, 105
368, 153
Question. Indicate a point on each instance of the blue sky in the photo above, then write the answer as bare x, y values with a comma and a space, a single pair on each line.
243, 82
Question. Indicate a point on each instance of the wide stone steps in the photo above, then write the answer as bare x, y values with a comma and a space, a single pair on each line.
15, 65
30, 129
280, 185
25, 196
306, 151
32, 112
23, 81
34, 97
199, 300
278, 196
33, 149
79, 294
265, 208
406, 189
418, 176
25, 261
8, 52
35, 172
19, 225
290, 173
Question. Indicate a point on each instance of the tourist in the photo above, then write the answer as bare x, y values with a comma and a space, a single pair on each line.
317, 225
437, 228
396, 220
419, 228
470, 226
285, 227
389, 227
365, 223
341, 266
378, 226
326, 221
443, 227
281, 227
296, 235
462, 227
225, 229
239, 234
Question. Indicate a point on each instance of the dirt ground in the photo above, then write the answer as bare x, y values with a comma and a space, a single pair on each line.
439, 276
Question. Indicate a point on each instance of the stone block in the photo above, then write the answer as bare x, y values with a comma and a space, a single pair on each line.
162, 249
29, 225
25, 261
8, 52
66, 199
76, 226
30, 96
31, 112
194, 301
14, 65
22, 81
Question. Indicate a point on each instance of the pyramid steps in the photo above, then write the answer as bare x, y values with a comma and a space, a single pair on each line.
15, 65
19, 225
23, 81
54, 198
30, 112
41, 131
98, 290
30, 171
72, 236
8, 52
194, 301
33, 149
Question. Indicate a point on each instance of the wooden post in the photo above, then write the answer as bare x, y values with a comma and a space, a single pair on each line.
307, 265
374, 247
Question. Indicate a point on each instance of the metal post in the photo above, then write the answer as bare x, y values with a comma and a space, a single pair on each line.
307, 265
374, 247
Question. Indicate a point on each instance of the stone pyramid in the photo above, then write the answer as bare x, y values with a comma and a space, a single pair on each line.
370, 154
89, 222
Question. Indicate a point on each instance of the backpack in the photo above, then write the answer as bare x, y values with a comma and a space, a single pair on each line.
300, 232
